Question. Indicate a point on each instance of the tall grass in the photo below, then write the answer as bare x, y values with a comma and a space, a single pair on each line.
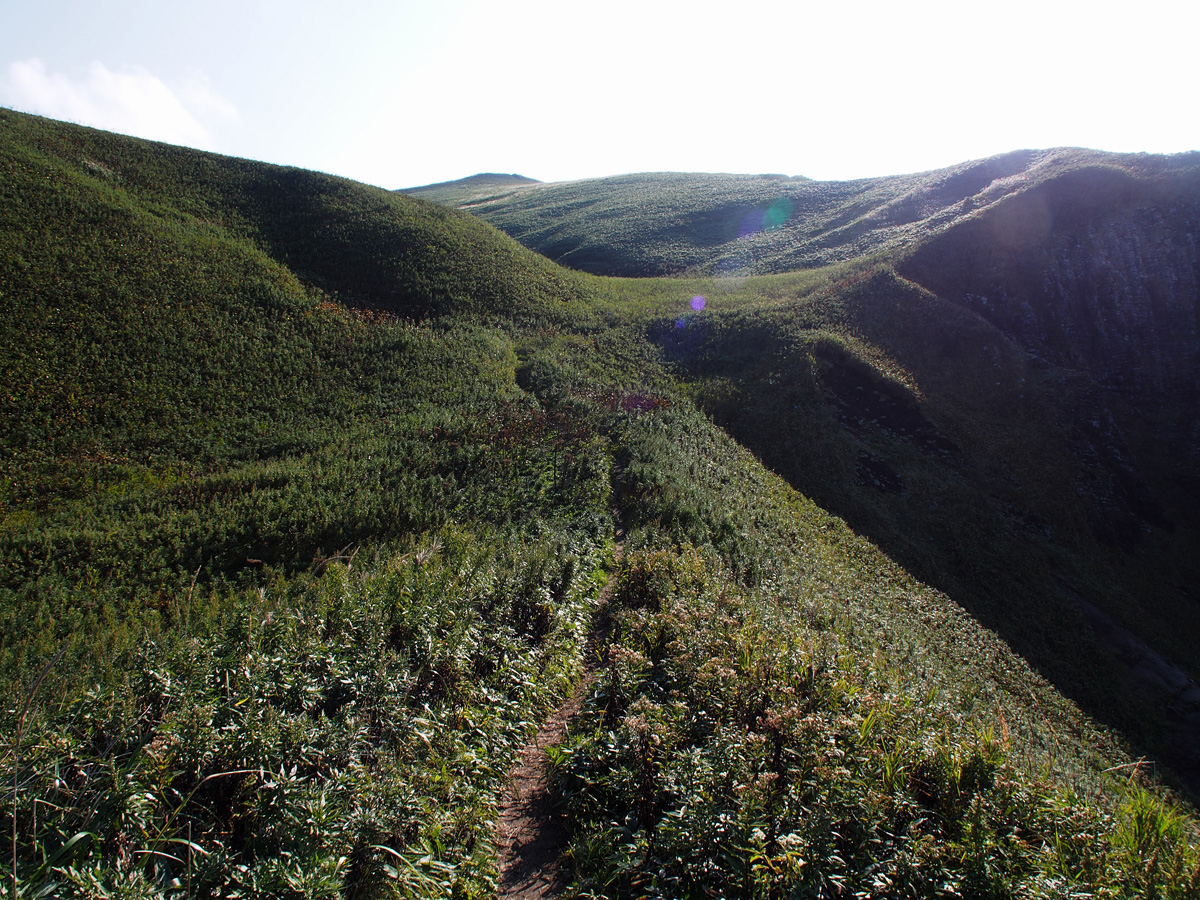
310, 489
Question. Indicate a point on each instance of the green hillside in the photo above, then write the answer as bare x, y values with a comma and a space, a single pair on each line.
471, 189
309, 493
738, 225
1003, 396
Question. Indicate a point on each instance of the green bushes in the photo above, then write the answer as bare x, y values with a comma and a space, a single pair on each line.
730, 750
319, 569
213, 483
341, 734
785, 713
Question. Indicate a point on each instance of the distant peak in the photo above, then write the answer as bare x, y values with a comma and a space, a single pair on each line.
492, 179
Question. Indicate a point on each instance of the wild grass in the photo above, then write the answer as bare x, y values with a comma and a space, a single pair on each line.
812, 722
341, 734
930, 431
308, 492
665, 223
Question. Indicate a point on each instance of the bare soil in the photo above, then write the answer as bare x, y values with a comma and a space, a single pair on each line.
531, 833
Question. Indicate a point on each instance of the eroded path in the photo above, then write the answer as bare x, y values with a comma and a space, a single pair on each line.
531, 834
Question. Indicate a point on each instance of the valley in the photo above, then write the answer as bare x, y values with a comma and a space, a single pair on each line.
310, 496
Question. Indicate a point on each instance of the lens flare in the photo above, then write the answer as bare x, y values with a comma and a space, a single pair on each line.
777, 214
698, 303
773, 217
680, 322
752, 224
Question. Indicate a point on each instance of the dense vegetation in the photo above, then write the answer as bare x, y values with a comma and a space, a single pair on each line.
309, 491
1006, 404
816, 723
664, 223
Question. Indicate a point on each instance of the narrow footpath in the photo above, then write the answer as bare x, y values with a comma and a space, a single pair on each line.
531, 834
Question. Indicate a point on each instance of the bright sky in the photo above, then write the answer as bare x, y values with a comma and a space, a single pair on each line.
401, 93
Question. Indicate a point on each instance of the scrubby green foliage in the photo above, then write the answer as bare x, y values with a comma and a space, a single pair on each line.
346, 733
666, 223
177, 374
199, 437
308, 494
807, 723
1030, 454
737, 746
930, 430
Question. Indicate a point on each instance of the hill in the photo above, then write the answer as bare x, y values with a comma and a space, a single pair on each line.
309, 491
471, 189
1003, 396
736, 225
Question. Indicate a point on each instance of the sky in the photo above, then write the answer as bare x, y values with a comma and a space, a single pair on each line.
406, 93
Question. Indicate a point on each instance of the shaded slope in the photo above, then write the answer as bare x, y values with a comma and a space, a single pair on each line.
1109, 292
319, 570
955, 469
1097, 271
666, 223
1096, 277
992, 474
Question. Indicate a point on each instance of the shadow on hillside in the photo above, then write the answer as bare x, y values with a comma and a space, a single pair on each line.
863, 447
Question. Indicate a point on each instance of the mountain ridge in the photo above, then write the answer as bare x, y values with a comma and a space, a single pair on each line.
708, 223
1076, 282
309, 491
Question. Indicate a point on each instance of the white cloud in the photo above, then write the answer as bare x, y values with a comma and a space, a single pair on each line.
130, 100
197, 93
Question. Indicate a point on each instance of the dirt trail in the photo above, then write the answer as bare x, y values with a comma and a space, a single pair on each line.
531, 833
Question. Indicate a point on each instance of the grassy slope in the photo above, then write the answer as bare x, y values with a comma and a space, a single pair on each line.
1026, 456
318, 569
196, 434
866, 392
666, 223
1104, 305
470, 189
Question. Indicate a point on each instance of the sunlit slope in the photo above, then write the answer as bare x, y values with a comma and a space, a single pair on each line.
319, 553
1021, 436
666, 223
368, 246
189, 349
150, 289
472, 189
